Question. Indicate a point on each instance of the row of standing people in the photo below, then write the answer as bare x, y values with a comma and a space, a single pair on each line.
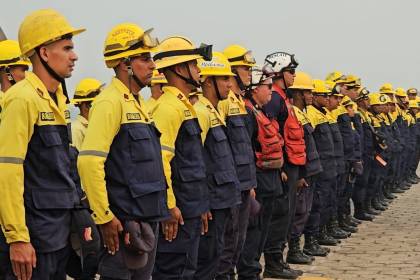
186, 186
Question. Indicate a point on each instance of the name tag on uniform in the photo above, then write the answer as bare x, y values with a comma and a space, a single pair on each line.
187, 113
47, 116
67, 114
214, 122
234, 111
133, 116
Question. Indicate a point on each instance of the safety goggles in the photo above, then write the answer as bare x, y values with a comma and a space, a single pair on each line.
204, 50
146, 41
246, 58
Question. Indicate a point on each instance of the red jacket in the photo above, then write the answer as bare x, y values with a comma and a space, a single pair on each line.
294, 136
270, 140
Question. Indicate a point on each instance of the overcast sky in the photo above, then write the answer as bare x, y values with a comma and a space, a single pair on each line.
377, 40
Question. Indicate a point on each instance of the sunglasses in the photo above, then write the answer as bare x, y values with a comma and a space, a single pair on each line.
290, 70
325, 95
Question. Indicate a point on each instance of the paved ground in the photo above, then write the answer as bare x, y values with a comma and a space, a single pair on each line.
387, 248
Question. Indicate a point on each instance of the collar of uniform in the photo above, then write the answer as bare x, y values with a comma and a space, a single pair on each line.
42, 91
82, 120
301, 115
127, 95
180, 96
204, 101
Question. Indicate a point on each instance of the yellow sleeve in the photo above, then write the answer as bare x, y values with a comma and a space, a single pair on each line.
104, 123
168, 120
76, 136
223, 108
16, 129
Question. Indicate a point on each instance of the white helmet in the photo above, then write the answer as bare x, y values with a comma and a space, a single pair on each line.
258, 76
277, 62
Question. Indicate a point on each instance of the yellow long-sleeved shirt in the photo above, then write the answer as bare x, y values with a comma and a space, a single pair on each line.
112, 108
26, 104
171, 110
78, 131
231, 106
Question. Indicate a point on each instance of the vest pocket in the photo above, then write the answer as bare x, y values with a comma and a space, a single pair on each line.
141, 147
53, 199
224, 177
191, 174
221, 145
237, 130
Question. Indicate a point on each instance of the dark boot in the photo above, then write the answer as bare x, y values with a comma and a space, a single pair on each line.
388, 192
370, 210
295, 254
312, 247
377, 205
348, 219
335, 231
276, 268
346, 227
325, 239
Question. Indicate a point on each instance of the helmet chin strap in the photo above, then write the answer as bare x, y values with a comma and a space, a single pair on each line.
216, 88
239, 81
189, 79
132, 76
54, 75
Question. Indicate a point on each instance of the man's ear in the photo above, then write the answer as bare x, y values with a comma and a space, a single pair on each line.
43, 53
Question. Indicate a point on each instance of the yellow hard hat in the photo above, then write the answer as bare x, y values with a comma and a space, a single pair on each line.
412, 91
362, 93
352, 80
86, 90
217, 66
320, 87
413, 104
387, 88
10, 54
43, 27
335, 76
302, 81
346, 101
238, 55
378, 98
127, 40
400, 92
158, 78
175, 50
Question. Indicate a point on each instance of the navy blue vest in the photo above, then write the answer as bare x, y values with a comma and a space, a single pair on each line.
189, 180
224, 189
313, 162
242, 151
325, 147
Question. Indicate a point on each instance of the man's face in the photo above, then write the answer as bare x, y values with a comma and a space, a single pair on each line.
322, 100
224, 85
333, 102
18, 72
263, 93
143, 67
350, 111
244, 73
60, 56
289, 77
349, 91
308, 97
